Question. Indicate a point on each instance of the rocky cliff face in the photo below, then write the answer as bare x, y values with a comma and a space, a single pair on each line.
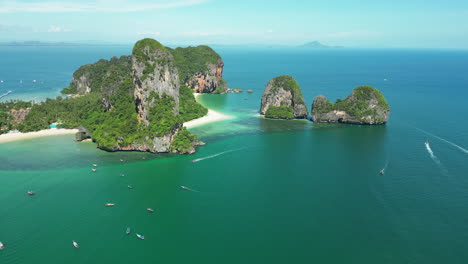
365, 105
283, 94
200, 68
154, 71
207, 81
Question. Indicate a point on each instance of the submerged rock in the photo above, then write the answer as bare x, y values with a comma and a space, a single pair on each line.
282, 99
365, 105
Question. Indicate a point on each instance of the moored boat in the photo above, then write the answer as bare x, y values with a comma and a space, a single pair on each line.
149, 209
109, 204
1, 246
31, 193
129, 186
75, 244
140, 236
127, 231
94, 170
94, 165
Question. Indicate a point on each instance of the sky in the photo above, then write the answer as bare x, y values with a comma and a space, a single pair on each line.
358, 23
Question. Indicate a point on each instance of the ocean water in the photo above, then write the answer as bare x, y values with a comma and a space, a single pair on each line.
262, 191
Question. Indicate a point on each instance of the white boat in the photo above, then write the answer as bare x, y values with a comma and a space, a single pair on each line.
75, 244
1, 246
94, 165
109, 204
426, 143
140, 236
150, 209
94, 170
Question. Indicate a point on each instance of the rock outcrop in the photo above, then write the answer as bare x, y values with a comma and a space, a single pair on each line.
208, 81
365, 105
154, 75
282, 98
200, 69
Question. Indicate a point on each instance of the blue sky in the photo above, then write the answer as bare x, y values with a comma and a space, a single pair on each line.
363, 23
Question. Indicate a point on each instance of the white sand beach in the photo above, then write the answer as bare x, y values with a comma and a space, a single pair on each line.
12, 136
212, 116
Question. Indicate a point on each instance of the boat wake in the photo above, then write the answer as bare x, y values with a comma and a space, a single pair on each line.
444, 140
215, 155
188, 189
435, 159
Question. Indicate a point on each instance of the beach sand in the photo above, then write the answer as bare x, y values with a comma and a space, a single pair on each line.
212, 116
42, 133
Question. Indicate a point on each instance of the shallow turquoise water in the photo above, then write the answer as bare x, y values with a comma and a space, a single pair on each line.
279, 191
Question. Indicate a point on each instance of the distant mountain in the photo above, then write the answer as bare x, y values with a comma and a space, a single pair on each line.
318, 45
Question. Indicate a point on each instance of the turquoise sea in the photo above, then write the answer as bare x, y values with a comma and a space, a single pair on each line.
263, 191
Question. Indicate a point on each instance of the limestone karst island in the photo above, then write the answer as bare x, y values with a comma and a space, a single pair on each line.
233, 132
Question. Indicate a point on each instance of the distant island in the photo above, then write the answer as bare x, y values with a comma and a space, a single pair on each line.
318, 45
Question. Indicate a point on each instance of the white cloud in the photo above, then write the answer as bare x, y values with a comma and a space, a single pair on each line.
56, 29
116, 6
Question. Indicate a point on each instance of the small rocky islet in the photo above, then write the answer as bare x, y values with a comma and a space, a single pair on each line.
282, 99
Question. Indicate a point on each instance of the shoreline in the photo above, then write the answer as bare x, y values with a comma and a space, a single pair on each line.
211, 117
8, 137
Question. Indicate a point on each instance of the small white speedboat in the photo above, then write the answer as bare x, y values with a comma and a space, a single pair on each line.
1, 246
109, 204
140, 236
94, 165
150, 210
94, 170
75, 244
426, 143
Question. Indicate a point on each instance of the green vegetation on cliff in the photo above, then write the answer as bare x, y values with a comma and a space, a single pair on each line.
290, 84
280, 112
193, 59
104, 75
151, 44
356, 104
188, 107
183, 141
